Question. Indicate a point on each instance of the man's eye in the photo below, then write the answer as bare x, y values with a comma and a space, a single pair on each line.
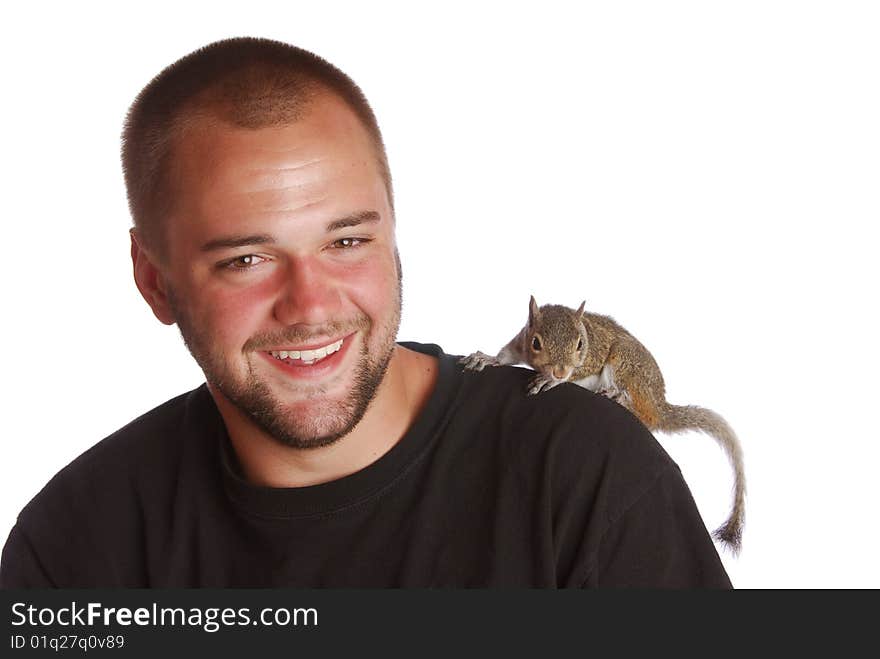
244, 262
349, 243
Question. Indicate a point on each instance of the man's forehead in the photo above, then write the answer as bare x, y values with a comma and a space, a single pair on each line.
326, 120
212, 157
238, 187
232, 184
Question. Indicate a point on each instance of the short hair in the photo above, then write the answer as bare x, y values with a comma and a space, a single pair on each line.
246, 82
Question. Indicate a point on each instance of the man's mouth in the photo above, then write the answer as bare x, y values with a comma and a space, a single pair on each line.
307, 357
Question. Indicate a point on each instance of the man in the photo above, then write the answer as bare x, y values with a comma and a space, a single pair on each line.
320, 453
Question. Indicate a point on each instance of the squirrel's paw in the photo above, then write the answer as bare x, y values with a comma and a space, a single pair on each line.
541, 383
477, 361
619, 396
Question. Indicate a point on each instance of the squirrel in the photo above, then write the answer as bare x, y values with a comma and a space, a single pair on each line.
595, 352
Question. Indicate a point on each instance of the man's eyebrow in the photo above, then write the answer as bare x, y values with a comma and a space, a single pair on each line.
229, 242
353, 220
237, 241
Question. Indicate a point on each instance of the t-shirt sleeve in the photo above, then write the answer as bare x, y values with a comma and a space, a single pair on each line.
660, 541
20, 566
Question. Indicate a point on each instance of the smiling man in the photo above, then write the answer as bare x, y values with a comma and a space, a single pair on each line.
284, 280
320, 452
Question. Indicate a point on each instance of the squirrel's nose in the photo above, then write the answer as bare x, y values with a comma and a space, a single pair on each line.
561, 373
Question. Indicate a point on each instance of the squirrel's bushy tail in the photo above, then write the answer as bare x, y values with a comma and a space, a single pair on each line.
681, 418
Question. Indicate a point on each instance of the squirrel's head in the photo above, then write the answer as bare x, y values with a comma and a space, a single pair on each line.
556, 340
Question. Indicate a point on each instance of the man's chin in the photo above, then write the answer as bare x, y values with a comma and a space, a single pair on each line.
308, 425
297, 394
306, 415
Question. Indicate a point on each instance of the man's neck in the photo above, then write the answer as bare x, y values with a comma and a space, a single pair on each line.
406, 387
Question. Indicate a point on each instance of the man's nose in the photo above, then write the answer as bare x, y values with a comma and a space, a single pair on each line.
307, 294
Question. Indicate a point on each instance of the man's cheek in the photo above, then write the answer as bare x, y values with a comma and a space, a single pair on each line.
376, 274
233, 319
374, 290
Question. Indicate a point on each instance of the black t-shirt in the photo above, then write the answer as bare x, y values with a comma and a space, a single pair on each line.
488, 488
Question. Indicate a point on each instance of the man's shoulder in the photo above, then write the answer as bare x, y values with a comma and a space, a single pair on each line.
88, 524
136, 456
579, 440
579, 420
152, 433
581, 456
568, 422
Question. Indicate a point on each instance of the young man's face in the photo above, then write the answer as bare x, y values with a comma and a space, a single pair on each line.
282, 241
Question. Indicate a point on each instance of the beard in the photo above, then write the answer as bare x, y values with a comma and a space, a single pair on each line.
299, 424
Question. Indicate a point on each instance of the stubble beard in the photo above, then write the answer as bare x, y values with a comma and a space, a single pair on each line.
327, 421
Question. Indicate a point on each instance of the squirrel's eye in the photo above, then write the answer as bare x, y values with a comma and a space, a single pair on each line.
580, 344
536, 343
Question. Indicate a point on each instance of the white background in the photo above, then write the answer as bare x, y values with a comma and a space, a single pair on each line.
705, 172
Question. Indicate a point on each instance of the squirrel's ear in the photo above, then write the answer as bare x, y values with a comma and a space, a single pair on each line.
580, 309
533, 310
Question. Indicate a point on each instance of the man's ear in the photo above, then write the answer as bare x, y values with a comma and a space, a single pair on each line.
150, 281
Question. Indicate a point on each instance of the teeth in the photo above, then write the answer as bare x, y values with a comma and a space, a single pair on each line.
308, 356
